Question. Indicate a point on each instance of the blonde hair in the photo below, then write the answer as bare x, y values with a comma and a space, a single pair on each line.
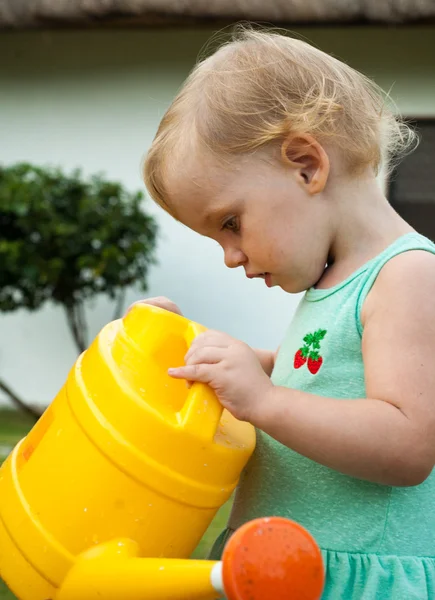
263, 87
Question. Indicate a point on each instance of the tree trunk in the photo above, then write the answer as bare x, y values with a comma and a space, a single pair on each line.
20, 404
119, 305
77, 325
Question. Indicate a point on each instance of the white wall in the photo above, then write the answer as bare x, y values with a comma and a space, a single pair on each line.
93, 99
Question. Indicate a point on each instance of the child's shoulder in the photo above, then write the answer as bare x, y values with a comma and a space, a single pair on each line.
406, 281
407, 271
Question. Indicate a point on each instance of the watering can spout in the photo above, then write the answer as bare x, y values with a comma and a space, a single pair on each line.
114, 570
268, 558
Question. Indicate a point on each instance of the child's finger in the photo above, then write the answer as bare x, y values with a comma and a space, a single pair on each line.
207, 354
192, 373
204, 340
159, 302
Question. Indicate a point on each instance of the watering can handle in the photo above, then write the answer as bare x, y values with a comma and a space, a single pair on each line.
202, 410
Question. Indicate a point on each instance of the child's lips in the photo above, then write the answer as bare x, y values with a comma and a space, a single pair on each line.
266, 276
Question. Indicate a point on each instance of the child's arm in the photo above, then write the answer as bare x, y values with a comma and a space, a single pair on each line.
390, 437
267, 360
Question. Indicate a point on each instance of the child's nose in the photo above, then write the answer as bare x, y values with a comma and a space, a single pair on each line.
234, 258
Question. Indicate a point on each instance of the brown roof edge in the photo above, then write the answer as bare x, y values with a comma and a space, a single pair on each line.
54, 14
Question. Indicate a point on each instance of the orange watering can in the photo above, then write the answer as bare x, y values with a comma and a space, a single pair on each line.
127, 466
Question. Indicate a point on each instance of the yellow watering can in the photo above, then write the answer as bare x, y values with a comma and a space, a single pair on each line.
126, 461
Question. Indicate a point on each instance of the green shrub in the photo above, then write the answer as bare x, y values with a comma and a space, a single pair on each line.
66, 239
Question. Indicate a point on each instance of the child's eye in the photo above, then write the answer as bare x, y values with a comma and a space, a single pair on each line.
231, 224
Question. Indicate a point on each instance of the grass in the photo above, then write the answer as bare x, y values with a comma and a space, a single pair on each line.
14, 426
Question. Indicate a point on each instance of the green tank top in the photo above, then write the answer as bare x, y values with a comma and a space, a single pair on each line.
378, 541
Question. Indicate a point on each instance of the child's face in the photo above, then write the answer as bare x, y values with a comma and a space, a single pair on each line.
261, 215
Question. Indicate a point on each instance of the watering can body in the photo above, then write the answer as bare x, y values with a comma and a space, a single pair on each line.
124, 451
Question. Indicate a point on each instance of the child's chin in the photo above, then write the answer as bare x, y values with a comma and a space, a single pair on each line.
292, 287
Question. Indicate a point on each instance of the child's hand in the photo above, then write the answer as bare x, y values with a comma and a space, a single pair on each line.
232, 370
160, 302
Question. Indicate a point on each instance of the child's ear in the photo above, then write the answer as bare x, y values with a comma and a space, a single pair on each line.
304, 153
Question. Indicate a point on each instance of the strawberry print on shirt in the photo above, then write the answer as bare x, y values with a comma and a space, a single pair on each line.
309, 354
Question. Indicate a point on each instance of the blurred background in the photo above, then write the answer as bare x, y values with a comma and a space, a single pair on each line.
83, 86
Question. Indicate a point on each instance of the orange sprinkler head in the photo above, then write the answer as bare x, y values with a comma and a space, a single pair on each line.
272, 558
